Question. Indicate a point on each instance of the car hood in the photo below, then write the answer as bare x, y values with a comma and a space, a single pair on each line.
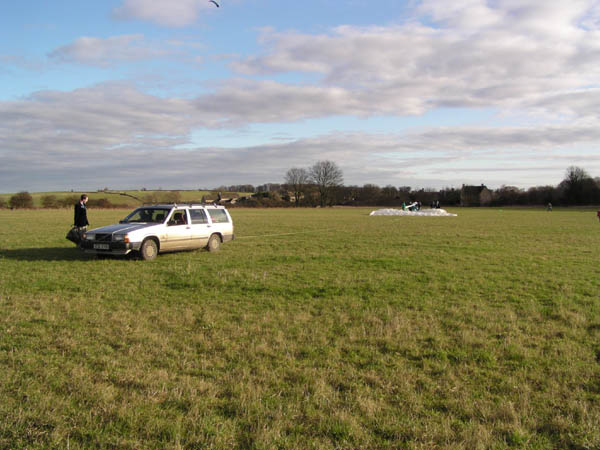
123, 227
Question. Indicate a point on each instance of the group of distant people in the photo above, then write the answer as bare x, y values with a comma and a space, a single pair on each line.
416, 206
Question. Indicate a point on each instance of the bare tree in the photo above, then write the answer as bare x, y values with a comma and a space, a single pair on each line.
297, 179
327, 176
49, 201
21, 200
574, 184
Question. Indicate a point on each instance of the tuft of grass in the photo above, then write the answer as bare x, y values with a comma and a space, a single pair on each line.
321, 328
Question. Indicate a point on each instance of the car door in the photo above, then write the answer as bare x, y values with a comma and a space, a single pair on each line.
221, 222
178, 232
201, 229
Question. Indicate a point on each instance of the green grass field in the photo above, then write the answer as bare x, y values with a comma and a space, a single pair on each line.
315, 328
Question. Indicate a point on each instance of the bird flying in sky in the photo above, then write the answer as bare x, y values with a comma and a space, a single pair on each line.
213, 1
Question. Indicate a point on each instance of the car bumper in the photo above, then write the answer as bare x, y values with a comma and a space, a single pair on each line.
109, 248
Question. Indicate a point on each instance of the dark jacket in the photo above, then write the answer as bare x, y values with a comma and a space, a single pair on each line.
80, 215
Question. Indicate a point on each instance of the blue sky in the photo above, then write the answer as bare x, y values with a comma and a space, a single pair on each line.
149, 93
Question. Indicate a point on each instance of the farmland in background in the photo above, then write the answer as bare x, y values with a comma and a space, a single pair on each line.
116, 197
315, 328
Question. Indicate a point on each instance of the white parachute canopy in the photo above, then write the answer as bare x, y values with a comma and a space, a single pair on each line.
424, 212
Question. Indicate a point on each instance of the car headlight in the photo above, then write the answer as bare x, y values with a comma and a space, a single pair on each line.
89, 236
121, 238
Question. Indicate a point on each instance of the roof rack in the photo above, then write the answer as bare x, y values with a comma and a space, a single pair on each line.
176, 205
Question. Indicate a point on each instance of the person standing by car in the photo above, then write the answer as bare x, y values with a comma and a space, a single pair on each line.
81, 221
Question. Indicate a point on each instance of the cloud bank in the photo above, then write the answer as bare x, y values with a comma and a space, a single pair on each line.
534, 64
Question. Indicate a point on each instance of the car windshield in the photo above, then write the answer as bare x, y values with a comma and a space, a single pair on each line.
147, 215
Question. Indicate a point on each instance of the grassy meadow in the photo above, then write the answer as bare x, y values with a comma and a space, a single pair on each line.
315, 328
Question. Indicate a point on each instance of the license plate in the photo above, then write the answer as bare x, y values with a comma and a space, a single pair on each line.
101, 247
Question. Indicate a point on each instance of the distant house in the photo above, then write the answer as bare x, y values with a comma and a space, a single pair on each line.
475, 196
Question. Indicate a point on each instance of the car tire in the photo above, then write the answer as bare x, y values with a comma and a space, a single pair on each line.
214, 243
148, 250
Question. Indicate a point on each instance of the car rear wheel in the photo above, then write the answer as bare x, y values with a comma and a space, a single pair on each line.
214, 243
148, 250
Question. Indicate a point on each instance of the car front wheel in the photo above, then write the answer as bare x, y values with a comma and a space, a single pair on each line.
148, 250
214, 243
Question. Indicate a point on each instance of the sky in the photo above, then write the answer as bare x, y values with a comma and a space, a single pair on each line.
182, 94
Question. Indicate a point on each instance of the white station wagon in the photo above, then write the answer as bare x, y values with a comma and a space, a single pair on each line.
150, 230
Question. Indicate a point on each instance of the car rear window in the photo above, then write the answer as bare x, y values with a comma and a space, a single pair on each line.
198, 216
218, 215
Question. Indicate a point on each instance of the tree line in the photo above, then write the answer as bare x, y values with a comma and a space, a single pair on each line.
24, 199
322, 185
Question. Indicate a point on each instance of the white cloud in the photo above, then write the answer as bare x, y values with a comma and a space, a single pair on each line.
20, 62
502, 54
552, 19
498, 54
241, 102
108, 51
169, 13
100, 117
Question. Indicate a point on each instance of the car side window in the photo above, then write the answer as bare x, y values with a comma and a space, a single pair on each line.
218, 215
178, 218
198, 216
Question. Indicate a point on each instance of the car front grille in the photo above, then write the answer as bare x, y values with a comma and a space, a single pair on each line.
106, 237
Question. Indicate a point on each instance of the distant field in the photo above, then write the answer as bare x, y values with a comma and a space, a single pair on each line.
116, 198
315, 328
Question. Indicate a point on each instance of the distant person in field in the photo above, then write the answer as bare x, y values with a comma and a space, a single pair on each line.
81, 220
549, 207
598, 214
